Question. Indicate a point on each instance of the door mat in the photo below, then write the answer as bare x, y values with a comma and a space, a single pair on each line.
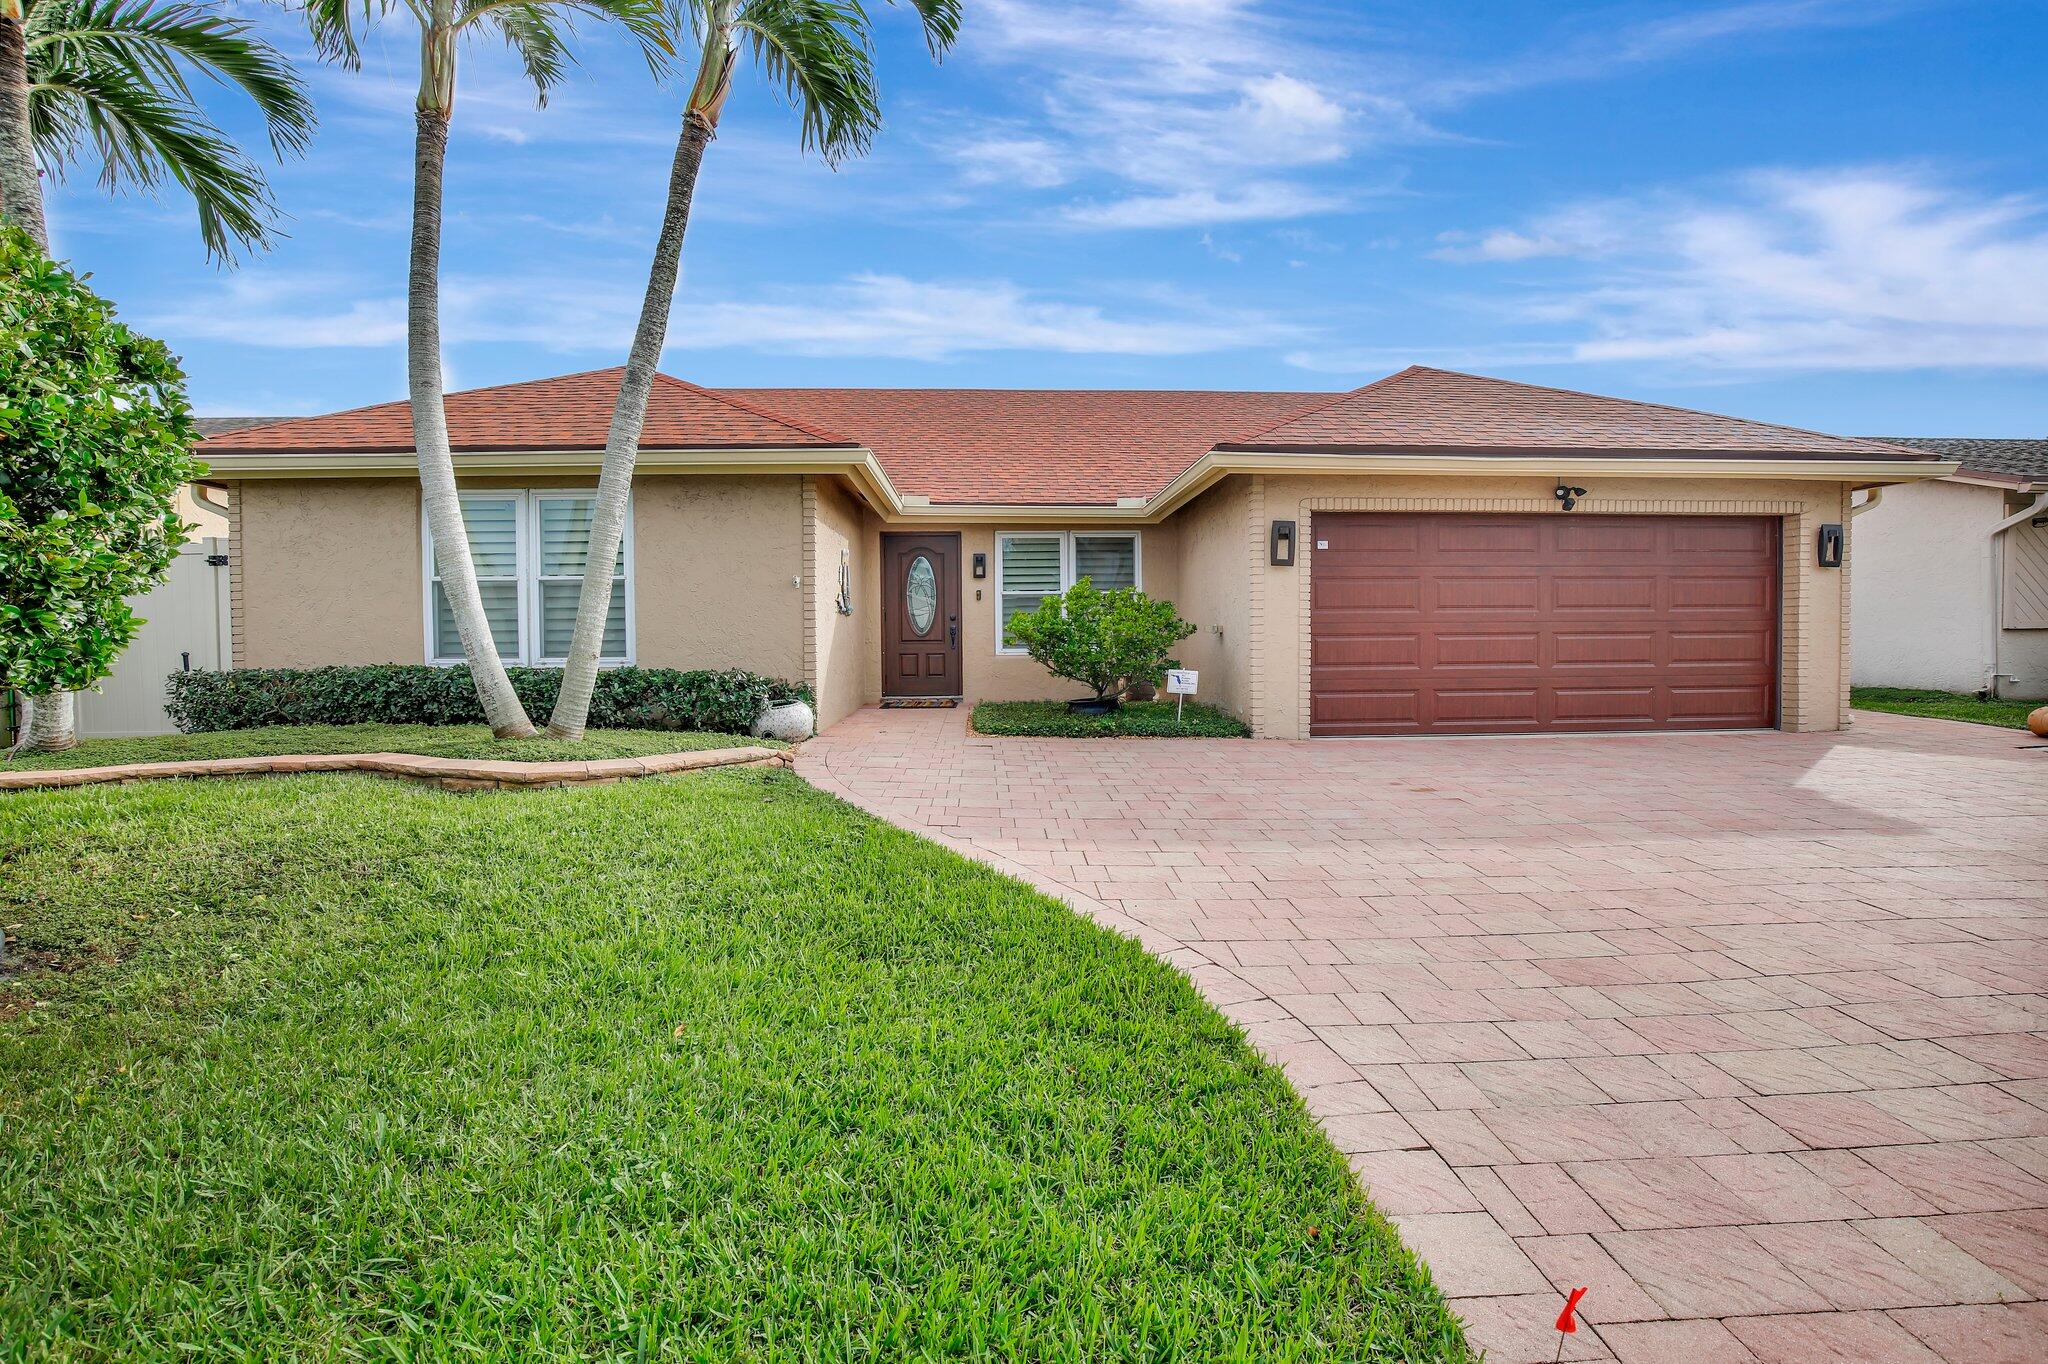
921, 703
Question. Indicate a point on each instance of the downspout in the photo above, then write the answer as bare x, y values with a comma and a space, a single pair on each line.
1872, 498
1997, 557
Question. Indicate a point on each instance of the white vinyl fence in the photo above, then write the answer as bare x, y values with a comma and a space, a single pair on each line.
186, 626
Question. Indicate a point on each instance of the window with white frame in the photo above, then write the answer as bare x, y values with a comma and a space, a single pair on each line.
529, 548
1034, 565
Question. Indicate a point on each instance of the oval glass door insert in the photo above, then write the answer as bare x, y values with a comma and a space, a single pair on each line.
921, 594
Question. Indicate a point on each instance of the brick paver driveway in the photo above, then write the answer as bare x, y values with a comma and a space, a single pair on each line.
1746, 1032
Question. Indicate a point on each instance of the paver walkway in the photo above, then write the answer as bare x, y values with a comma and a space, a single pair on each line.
1746, 1032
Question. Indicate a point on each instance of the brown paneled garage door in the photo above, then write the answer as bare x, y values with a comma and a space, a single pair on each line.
1492, 624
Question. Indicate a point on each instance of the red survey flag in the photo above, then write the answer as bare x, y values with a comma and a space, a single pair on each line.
1567, 1321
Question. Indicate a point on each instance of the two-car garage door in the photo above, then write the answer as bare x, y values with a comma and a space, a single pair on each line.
1486, 624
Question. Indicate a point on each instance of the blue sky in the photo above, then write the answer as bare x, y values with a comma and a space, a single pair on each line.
1832, 213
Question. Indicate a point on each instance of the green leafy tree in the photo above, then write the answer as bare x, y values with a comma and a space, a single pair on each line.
537, 32
1106, 641
110, 81
819, 53
95, 440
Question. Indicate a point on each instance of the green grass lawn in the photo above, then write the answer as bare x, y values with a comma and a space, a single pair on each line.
700, 1069
1149, 719
432, 741
1943, 705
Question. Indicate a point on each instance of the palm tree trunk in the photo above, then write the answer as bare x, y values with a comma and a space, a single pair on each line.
52, 725
21, 189
502, 710
622, 444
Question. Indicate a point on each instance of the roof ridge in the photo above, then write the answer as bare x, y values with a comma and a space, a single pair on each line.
1639, 402
1335, 398
755, 410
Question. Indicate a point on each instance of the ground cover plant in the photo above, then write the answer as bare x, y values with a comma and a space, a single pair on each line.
1150, 719
1944, 705
703, 1068
430, 741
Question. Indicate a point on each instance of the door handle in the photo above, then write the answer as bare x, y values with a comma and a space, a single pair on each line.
953, 631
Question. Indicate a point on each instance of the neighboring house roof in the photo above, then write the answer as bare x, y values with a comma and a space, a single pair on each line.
1439, 409
572, 412
2014, 461
1062, 447
1034, 446
220, 426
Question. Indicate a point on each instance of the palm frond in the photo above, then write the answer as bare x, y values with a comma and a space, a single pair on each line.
941, 20
537, 31
156, 42
146, 134
817, 51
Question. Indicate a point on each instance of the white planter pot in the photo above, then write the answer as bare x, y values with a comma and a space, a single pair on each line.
785, 720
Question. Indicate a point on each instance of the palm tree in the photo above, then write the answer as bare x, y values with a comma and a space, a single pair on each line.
111, 79
819, 52
536, 30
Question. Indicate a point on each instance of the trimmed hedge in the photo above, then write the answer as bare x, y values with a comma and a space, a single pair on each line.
724, 702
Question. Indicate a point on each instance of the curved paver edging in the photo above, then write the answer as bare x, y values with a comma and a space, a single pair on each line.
455, 774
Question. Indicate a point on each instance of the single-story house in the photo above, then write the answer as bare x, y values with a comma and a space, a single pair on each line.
1434, 553
1951, 581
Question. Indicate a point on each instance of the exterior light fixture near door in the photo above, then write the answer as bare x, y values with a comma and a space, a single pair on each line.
1828, 553
1280, 545
981, 565
1568, 496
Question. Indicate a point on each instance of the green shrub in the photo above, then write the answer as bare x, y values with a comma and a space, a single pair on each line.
1104, 640
1133, 719
722, 702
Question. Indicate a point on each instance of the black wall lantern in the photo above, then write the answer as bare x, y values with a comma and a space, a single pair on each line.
1829, 553
981, 565
1280, 546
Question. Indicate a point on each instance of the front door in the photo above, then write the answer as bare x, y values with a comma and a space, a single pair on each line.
921, 615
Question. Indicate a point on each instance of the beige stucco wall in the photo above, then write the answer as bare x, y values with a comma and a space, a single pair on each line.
843, 646
719, 572
1216, 538
326, 571
1814, 635
329, 571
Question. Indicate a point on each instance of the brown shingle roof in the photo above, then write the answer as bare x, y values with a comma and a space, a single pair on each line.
1061, 446
1439, 409
572, 412
1033, 446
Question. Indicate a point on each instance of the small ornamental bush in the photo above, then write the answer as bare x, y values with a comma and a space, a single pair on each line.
1106, 641
721, 702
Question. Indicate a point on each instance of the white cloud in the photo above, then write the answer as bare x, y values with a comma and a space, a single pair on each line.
1166, 107
1195, 207
1499, 244
864, 315
1024, 162
1859, 268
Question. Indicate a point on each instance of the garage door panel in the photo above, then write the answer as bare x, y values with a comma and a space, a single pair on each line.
1366, 711
1747, 594
1610, 706
1521, 649
1501, 706
1518, 591
1577, 590
1367, 593
1483, 624
1603, 536
1396, 650
1724, 705
1606, 649
1747, 650
1487, 539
